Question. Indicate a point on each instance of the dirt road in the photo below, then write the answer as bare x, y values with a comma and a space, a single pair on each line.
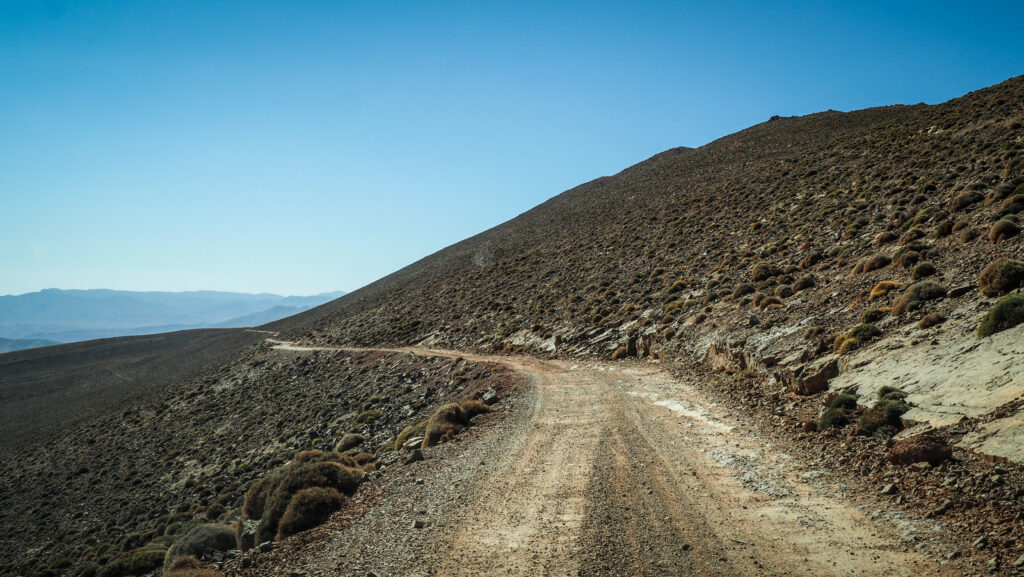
615, 469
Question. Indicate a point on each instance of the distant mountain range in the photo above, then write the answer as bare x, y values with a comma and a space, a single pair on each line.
54, 315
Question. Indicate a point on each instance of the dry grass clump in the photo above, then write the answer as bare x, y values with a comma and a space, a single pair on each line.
1002, 230
921, 448
930, 320
883, 288
1001, 276
742, 289
911, 235
137, 562
871, 263
268, 499
349, 441
448, 420
916, 295
199, 541
1006, 314
812, 258
908, 259
308, 508
1012, 205
884, 238
187, 567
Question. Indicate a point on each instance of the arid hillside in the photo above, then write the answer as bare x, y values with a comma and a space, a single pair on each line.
795, 351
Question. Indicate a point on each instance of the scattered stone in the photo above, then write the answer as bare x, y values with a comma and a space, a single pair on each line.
266, 546
888, 489
489, 397
1019, 562
980, 542
419, 481
810, 378
416, 455
930, 448
418, 524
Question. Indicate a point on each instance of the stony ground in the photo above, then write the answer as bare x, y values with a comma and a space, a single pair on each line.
614, 469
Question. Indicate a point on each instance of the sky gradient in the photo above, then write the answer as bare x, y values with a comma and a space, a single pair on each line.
304, 147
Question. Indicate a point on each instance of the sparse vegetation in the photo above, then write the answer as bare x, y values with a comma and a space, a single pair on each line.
308, 508
833, 418
1004, 229
1006, 314
200, 540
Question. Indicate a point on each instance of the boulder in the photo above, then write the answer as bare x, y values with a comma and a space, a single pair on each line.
810, 378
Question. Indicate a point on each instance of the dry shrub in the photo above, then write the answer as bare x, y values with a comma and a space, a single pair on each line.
765, 270
1001, 276
873, 262
770, 302
930, 320
884, 238
911, 235
803, 283
349, 441
743, 289
915, 295
908, 259
965, 200
1003, 230
968, 234
308, 508
199, 541
812, 258
921, 448
923, 270
268, 499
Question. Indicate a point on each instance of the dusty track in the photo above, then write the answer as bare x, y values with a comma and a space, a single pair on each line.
612, 469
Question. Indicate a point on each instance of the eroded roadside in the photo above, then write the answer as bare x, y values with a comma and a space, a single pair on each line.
606, 469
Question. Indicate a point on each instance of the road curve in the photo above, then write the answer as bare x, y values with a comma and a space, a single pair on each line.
613, 469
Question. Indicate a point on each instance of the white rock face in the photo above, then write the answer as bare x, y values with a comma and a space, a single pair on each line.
960, 376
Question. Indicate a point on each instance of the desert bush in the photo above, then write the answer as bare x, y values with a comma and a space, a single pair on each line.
928, 448
911, 235
784, 291
199, 541
871, 263
742, 289
803, 283
137, 562
944, 229
915, 295
765, 270
473, 407
268, 499
832, 418
1006, 314
923, 270
844, 401
964, 200
812, 258
885, 413
908, 259
1001, 276
883, 288
1004, 229
769, 301
444, 424
349, 441
884, 238
367, 417
308, 508
873, 315
852, 340
967, 235
1012, 205
930, 320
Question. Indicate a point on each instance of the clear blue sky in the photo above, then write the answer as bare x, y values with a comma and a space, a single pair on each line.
299, 147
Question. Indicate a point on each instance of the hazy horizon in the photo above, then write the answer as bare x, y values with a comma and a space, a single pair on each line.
302, 148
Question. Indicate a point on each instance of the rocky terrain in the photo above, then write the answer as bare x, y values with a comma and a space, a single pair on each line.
794, 350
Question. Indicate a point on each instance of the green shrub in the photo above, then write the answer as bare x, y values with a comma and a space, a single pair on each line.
890, 392
199, 540
832, 418
1012, 205
885, 413
844, 401
915, 295
135, 562
89, 570
1006, 314
1001, 276
873, 315
367, 417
